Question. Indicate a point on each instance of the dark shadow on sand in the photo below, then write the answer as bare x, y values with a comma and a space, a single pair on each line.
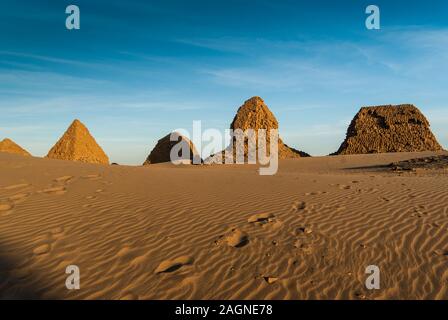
18, 287
377, 167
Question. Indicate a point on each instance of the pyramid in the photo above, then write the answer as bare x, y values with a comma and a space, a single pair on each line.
389, 128
162, 150
77, 144
9, 146
255, 114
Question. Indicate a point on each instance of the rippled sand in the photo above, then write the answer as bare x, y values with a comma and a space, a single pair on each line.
223, 232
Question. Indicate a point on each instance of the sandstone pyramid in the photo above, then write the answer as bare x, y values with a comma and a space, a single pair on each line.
77, 144
400, 128
9, 146
255, 114
162, 150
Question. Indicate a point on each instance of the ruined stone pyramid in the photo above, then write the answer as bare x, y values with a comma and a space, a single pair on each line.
162, 150
9, 146
388, 128
255, 114
77, 144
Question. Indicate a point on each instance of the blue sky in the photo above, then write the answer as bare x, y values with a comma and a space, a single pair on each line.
138, 69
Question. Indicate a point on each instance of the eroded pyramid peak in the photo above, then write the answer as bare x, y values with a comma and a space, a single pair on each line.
389, 128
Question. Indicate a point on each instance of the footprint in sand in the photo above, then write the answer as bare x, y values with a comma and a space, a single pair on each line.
173, 265
19, 198
344, 187
5, 207
17, 186
261, 217
64, 179
42, 249
274, 224
303, 230
45, 241
299, 206
57, 231
315, 193
54, 190
92, 176
265, 220
304, 247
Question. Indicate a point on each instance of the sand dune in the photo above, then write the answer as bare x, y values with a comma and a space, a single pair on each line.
223, 232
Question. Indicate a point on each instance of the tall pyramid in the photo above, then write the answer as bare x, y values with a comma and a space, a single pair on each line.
162, 150
255, 114
9, 146
77, 144
389, 128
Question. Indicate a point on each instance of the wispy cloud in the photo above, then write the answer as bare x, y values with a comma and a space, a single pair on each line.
48, 59
400, 58
150, 90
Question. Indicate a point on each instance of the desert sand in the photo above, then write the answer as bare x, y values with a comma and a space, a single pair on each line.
223, 231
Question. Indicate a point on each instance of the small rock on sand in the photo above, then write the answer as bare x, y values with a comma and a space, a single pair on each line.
270, 280
237, 239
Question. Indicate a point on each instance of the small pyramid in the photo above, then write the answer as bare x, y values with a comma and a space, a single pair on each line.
77, 144
389, 128
162, 150
9, 146
255, 114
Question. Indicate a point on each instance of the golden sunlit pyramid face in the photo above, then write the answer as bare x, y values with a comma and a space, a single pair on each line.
9, 146
77, 144
223, 159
